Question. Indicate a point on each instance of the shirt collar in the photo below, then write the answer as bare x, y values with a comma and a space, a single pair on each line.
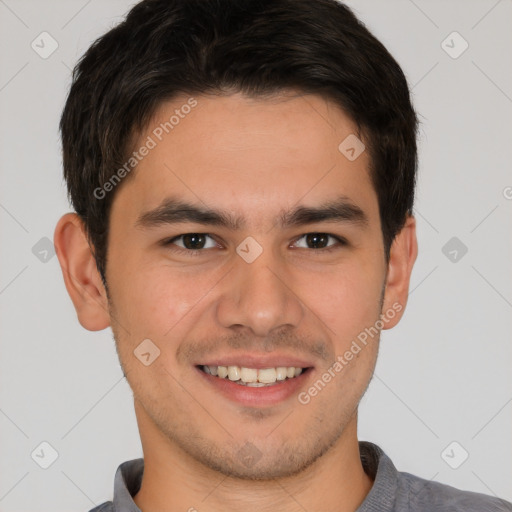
381, 469
127, 484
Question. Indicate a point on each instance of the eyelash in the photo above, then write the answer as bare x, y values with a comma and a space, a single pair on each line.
197, 252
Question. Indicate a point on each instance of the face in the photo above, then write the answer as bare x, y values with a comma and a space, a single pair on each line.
259, 282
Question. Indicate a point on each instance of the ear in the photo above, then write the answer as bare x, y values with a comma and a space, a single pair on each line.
81, 277
404, 250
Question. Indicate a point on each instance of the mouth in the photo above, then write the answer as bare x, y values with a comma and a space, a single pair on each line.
248, 386
254, 377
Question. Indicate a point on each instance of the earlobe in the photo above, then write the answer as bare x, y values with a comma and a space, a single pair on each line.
81, 277
404, 251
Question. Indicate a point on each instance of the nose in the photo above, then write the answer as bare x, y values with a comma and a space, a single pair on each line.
259, 296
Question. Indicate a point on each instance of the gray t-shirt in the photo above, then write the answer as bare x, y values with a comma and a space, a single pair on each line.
392, 490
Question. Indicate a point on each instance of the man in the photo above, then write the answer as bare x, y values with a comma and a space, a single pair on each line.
243, 177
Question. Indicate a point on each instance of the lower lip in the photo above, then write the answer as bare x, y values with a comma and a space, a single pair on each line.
262, 396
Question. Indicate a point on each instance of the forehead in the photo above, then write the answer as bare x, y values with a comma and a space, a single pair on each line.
256, 157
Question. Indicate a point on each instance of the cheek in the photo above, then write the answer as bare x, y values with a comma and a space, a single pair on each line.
156, 300
346, 299
156, 304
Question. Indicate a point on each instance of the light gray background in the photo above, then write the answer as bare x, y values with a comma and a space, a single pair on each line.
444, 371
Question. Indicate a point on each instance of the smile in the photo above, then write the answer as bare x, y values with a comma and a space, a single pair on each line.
253, 377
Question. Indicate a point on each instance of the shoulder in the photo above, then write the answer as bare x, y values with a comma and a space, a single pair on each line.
419, 494
400, 491
108, 506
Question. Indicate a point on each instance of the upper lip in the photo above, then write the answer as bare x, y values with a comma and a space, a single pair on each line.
257, 361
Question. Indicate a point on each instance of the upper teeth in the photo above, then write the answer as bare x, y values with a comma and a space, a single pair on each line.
253, 375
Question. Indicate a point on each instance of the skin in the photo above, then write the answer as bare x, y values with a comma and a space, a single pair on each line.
254, 157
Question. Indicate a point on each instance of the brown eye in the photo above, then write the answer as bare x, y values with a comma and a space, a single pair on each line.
191, 242
321, 241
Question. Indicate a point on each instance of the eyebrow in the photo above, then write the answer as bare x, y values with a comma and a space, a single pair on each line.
174, 211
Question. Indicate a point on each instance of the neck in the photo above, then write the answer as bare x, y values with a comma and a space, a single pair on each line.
174, 481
